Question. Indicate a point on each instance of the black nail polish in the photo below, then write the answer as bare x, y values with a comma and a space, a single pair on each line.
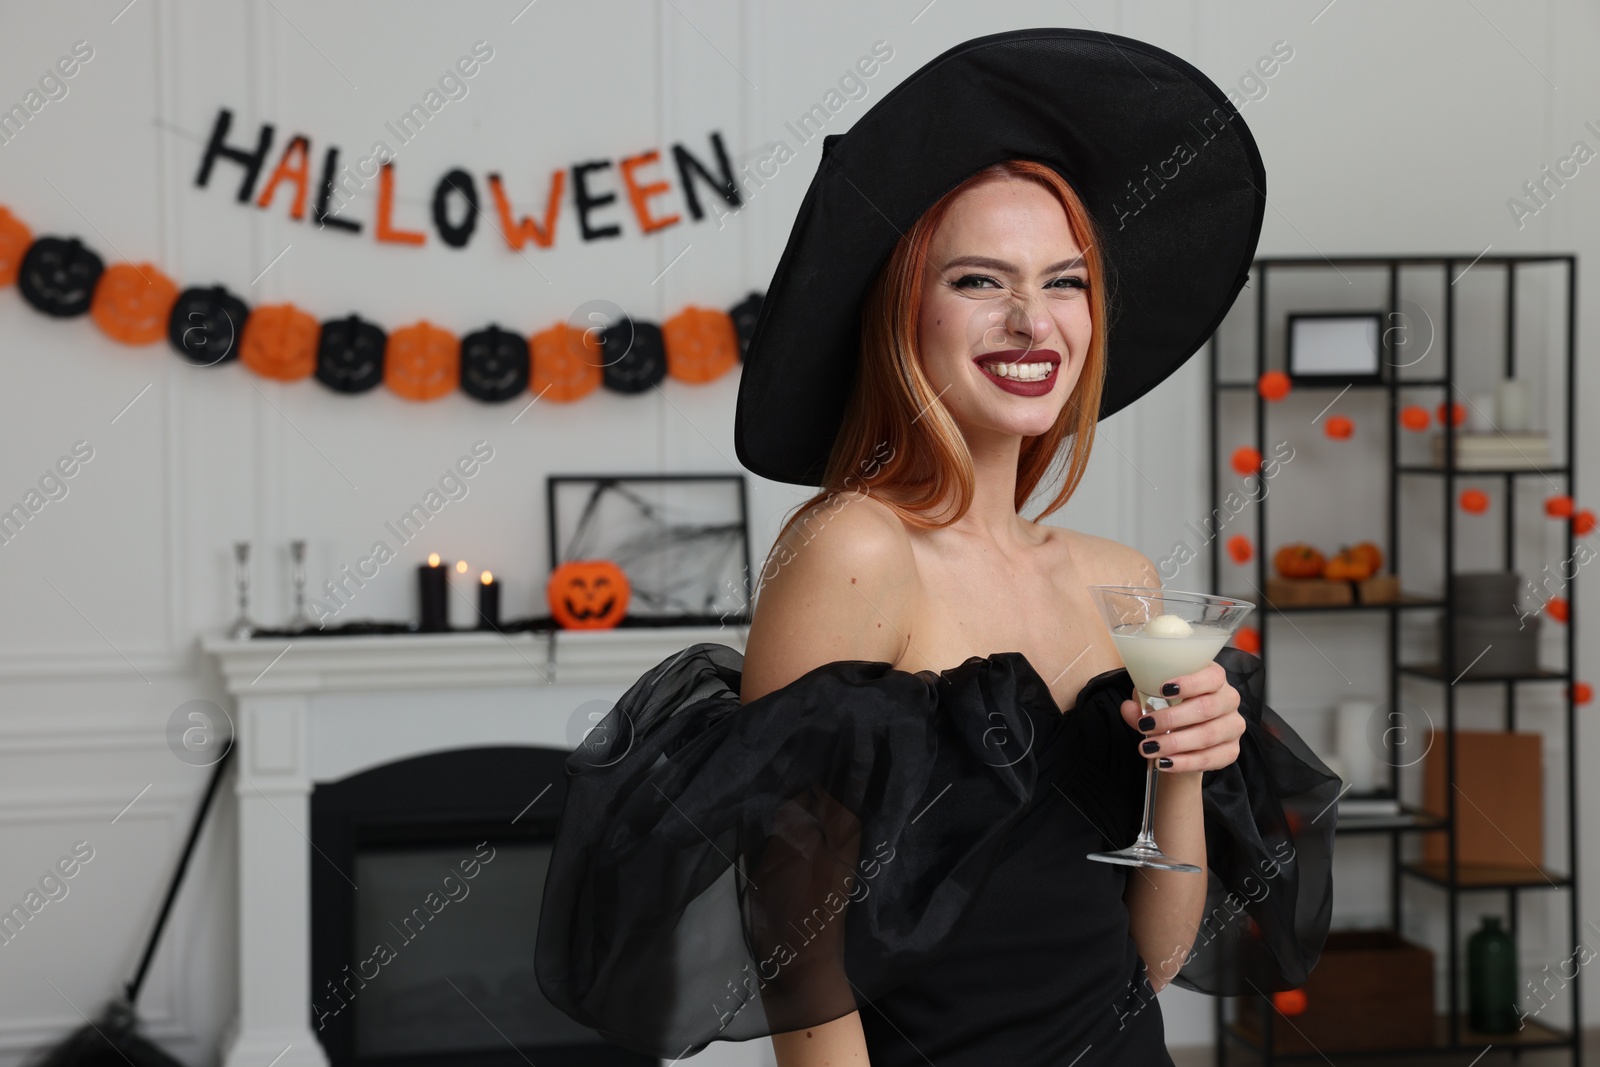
1147, 723
1150, 746
1170, 689
1164, 762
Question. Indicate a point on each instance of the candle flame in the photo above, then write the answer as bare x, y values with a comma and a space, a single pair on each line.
486, 578
461, 566
433, 559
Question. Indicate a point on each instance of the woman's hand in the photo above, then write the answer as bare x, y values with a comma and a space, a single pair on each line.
1205, 723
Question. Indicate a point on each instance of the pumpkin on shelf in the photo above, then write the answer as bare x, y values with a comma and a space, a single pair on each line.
132, 303
1371, 550
588, 594
1349, 565
1299, 560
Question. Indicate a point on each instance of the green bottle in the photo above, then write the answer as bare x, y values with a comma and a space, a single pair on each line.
1492, 979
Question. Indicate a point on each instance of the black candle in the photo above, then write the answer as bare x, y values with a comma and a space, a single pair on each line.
488, 602
432, 592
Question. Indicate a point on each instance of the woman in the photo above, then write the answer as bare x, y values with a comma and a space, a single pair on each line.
867, 837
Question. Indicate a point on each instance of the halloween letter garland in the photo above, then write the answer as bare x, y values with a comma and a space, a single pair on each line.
136, 304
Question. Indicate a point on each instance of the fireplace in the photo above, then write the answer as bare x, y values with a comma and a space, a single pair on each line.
425, 894
427, 770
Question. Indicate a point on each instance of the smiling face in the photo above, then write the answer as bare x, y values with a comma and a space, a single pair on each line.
1004, 327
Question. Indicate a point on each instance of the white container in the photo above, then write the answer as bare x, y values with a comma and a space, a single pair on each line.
1511, 406
1352, 741
1481, 413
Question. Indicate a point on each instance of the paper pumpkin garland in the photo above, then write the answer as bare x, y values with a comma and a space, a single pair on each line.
494, 364
58, 275
350, 354
137, 304
634, 356
279, 341
422, 361
132, 304
205, 325
15, 237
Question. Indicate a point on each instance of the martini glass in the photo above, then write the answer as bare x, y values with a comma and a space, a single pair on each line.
1162, 634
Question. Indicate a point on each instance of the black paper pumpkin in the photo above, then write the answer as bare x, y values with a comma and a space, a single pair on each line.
744, 315
205, 324
633, 356
494, 364
350, 354
58, 276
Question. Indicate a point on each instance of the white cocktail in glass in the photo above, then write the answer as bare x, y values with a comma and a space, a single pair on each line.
1160, 635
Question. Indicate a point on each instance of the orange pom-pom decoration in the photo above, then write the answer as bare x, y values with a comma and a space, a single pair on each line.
1457, 413
566, 362
1414, 418
15, 237
131, 303
1247, 639
1583, 523
1273, 385
1557, 608
1475, 501
588, 594
701, 344
1240, 549
1246, 459
1558, 507
1289, 1001
1339, 427
1582, 692
422, 361
279, 341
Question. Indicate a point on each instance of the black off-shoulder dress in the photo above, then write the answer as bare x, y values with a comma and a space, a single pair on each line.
910, 846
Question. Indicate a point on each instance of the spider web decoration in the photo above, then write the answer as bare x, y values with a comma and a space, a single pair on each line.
682, 542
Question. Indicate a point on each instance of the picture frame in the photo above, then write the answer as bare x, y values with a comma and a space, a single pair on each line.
1335, 347
683, 540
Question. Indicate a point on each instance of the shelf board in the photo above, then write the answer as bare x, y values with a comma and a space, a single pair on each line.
1432, 670
1410, 818
1407, 600
1404, 383
1473, 472
1533, 1034
1484, 876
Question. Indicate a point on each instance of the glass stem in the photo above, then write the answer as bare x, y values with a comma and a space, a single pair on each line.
1147, 836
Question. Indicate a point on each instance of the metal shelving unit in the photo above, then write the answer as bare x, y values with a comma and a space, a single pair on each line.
1451, 1033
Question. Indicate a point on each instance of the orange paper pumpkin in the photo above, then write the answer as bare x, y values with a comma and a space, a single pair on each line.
1474, 501
1273, 385
15, 237
1339, 427
1556, 607
422, 361
1247, 639
1246, 460
567, 363
279, 341
1298, 560
1414, 417
1582, 692
1558, 507
588, 594
1240, 550
1583, 523
132, 303
1290, 1001
701, 343
1457, 413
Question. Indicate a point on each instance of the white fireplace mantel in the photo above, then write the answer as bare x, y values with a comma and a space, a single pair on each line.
317, 709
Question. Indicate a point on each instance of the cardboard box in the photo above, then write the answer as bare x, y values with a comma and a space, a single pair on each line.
1370, 989
1499, 802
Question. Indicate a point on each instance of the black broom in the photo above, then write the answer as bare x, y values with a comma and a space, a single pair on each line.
113, 1040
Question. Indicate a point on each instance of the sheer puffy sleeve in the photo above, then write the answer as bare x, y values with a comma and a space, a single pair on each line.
727, 871
1269, 826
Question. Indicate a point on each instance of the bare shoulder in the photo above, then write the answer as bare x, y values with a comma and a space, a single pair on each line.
841, 585
1105, 561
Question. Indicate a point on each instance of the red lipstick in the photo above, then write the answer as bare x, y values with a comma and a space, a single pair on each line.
1022, 361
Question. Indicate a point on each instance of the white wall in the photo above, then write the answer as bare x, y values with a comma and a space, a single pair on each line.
1399, 130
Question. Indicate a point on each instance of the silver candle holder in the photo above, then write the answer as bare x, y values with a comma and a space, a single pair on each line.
242, 627
302, 619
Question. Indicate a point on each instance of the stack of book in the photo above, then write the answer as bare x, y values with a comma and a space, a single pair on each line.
1496, 450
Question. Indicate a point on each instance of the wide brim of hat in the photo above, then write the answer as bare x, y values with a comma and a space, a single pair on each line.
1155, 150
